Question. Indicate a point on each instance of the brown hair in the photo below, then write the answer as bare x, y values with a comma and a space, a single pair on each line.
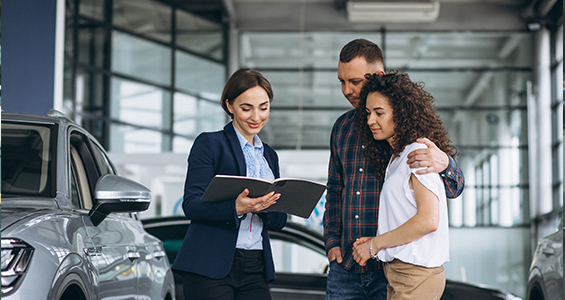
241, 81
361, 48
414, 117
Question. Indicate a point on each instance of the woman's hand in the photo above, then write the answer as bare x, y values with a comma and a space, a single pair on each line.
244, 204
361, 250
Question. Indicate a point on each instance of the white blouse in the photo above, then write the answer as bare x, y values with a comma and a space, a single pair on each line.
398, 204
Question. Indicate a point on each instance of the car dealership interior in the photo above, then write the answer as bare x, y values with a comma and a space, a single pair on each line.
145, 78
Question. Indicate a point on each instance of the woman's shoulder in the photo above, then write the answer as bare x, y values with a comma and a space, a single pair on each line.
403, 155
211, 134
413, 146
207, 138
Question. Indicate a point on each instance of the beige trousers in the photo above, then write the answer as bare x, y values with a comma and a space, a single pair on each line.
408, 281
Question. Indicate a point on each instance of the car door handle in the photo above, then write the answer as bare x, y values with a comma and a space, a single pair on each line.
93, 251
548, 251
133, 255
159, 254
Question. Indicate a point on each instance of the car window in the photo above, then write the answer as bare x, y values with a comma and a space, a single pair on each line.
75, 198
290, 257
104, 165
28, 159
84, 159
82, 184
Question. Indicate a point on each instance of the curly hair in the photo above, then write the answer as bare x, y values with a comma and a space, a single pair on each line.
414, 116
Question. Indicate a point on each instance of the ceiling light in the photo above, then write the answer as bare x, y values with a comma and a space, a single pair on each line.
393, 12
534, 26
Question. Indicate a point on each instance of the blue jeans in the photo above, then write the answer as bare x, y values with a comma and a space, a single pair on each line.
344, 284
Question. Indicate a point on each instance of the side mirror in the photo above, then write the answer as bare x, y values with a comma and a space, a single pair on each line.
114, 193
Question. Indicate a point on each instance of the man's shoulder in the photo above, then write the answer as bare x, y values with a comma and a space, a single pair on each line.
345, 119
346, 116
344, 128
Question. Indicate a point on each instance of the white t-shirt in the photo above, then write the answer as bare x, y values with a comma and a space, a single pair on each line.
398, 204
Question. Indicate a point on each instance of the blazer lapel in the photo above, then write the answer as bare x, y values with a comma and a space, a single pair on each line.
271, 161
229, 131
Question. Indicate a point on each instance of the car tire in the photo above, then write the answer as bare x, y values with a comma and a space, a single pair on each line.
535, 294
72, 288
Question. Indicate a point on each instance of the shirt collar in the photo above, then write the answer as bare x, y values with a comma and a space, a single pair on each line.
242, 141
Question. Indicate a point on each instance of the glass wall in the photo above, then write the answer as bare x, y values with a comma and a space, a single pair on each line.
143, 76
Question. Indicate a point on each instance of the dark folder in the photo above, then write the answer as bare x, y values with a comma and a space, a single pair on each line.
298, 196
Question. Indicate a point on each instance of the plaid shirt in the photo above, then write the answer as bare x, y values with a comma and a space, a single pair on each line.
352, 205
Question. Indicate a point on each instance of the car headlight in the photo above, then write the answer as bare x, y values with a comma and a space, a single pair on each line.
16, 255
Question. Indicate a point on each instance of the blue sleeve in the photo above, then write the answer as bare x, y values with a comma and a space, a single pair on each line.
201, 171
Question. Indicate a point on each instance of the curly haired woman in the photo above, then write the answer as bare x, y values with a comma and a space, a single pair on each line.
412, 238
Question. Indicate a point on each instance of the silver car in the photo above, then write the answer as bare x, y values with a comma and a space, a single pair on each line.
545, 281
68, 231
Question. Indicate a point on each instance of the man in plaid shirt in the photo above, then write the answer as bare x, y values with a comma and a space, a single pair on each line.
352, 205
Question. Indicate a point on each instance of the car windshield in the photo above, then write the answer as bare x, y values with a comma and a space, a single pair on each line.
27, 159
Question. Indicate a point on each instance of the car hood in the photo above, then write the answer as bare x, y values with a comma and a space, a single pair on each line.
16, 209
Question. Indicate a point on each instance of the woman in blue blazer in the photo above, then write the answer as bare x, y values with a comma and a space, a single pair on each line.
226, 252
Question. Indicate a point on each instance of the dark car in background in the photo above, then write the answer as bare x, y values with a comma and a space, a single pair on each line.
68, 231
300, 262
545, 281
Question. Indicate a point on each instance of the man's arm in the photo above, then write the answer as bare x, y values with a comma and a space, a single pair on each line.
433, 159
332, 215
453, 179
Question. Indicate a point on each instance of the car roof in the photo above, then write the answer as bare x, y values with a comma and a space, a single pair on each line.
53, 117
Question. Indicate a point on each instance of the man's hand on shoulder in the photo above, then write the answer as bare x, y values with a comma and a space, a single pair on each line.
433, 159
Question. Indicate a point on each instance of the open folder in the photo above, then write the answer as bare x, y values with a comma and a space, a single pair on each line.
298, 196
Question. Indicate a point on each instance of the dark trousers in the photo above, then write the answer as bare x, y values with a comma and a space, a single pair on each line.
246, 280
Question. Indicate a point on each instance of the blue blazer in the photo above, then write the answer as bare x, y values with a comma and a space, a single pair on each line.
209, 245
